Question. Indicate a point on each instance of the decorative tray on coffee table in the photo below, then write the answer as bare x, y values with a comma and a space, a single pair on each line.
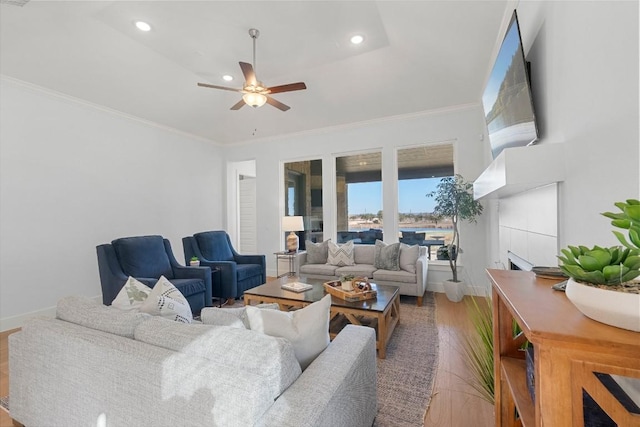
361, 290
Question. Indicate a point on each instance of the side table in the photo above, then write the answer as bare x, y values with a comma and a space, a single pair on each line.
292, 258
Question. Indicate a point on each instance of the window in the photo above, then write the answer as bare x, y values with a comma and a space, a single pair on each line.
419, 172
303, 197
359, 197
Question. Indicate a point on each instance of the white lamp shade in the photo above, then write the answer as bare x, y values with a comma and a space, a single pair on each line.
292, 223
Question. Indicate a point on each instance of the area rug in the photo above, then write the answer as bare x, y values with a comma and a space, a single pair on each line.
406, 376
4, 403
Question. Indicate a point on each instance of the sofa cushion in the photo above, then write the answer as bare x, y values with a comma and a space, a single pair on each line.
317, 253
307, 328
387, 257
394, 276
167, 301
409, 257
358, 270
364, 254
143, 256
132, 295
234, 317
341, 255
88, 313
318, 269
231, 349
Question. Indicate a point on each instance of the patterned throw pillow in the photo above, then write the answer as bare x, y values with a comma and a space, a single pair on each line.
341, 255
387, 257
317, 253
132, 295
167, 301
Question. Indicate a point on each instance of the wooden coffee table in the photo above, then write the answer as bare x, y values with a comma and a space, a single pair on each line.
381, 313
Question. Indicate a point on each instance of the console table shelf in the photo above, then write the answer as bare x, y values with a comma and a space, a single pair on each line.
569, 347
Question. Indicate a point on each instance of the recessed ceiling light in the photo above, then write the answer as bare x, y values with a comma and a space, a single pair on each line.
227, 78
143, 26
357, 39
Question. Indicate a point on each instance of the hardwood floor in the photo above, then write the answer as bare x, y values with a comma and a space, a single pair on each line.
453, 404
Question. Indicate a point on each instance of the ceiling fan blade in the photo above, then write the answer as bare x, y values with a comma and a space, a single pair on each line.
219, 87
249, 74
287, 88
279, 105
238, 105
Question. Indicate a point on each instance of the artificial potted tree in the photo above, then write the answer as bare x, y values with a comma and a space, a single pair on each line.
454, 199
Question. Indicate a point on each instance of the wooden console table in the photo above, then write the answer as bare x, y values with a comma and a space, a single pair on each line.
568, 348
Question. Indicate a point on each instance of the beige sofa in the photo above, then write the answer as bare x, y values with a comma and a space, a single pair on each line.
411, 278
97, 365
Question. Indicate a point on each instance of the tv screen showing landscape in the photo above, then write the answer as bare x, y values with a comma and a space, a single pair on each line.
507, 99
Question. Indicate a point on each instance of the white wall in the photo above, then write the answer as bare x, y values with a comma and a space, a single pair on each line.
584, 59
73, 176
584, 69
463, 125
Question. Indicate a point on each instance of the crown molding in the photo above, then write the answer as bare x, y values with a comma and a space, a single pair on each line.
361, 124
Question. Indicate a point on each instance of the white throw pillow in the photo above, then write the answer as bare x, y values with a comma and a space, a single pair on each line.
307, 328
132, 295
167, 301
341, 255
409, 257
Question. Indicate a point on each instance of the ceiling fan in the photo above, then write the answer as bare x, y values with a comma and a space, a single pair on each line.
254, 92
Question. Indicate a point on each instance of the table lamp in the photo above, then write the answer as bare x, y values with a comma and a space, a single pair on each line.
292, 224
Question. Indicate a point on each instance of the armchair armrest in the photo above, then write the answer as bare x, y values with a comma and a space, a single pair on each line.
422, 267
253, 259
250, 259
182, 272
228, 277
112, 278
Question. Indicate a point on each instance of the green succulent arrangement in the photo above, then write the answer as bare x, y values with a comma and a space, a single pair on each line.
601, 266
609, 266
628, 219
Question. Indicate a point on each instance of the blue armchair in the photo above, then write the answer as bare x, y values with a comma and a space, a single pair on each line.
237, 272
147, 258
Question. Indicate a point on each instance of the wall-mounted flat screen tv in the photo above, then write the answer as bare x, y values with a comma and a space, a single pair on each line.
507, 100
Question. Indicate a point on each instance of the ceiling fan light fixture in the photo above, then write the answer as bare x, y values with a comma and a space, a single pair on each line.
254, 99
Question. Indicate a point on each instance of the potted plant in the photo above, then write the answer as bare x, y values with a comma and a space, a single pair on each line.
454, 199
194, 261
347, 282
599, 284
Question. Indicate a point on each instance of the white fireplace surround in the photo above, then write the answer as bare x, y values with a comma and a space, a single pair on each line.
525, 182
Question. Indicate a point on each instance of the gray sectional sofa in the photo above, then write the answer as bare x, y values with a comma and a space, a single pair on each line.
96, 365
411, 277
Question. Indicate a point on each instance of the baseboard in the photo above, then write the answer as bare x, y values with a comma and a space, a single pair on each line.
14, 322
478, 291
